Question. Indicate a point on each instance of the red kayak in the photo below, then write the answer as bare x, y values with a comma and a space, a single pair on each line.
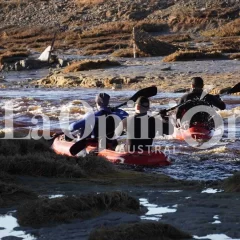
152, 159
198, 132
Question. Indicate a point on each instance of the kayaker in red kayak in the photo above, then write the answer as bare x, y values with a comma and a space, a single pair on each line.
140, 128
102, 102
198, 97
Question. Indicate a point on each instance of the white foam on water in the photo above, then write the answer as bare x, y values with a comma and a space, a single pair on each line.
216, 237
221, 149
8, 222
154, 211
165, 191
55, 196
211, 190
151, 218
217, 221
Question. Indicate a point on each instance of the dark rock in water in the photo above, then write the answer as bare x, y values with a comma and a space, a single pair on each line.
11, 59
232, 184
79, 229
35, 213
33, 64
20, 62
142, 230
166, 68
1, 228
11, 238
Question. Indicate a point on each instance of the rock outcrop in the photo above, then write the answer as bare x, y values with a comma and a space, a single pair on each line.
149, 45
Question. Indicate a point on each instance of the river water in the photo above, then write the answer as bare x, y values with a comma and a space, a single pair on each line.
217, 162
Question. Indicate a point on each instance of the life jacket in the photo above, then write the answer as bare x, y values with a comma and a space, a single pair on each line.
110, 127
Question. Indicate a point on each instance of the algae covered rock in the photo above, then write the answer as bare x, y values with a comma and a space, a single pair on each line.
140, 231
232, 184
45, 211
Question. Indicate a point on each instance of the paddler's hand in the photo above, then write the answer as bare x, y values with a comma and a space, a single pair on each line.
113, 109
55, 135
163, 112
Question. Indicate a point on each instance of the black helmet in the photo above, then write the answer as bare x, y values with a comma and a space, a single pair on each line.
197, 82
102, 99
143, 102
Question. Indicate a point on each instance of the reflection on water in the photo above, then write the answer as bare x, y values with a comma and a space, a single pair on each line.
154, 211
8, 222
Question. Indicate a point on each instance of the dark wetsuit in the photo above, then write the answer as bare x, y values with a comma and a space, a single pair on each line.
136, 139
141, 130
195, 95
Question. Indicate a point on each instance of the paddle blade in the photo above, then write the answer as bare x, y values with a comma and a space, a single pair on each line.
225, 90
78, 147
235, 89
146, 92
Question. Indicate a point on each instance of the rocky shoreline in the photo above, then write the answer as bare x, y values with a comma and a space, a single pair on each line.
137, 73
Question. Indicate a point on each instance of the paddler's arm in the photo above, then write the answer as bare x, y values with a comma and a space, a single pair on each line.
179, 110
80, 124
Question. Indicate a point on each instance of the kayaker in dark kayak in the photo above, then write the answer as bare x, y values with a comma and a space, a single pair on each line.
102, 102
198, 98
140, 128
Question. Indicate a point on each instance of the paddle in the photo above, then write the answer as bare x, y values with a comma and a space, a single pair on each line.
164, 111
146, 92
232, 90
223, 92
